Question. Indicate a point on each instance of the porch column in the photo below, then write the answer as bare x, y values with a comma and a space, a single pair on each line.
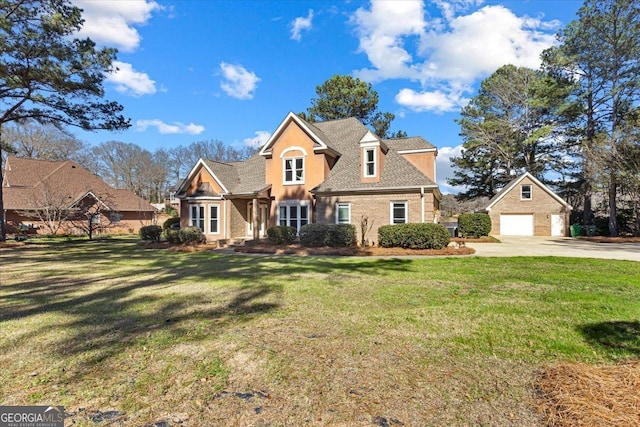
255, 213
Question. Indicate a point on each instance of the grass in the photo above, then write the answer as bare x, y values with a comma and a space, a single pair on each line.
212, 339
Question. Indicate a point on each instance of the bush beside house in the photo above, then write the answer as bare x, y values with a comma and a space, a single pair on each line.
413, 236
333, 235
474, 225
280, 235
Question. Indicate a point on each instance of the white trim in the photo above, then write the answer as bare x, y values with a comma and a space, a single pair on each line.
530, 193
348, 205
218, 219
516, 181
418, 151
365, 162
198, 218
293, 148
406, 211
192, 173
369, 139
291, 117
293, 171
370, 144
288, 204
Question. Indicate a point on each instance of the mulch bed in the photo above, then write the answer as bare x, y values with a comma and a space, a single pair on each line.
297, 249
579, 394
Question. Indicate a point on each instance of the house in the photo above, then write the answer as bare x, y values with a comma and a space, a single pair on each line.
329, 172
527, 207
47, 196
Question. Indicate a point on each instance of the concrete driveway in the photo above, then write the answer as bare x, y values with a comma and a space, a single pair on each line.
557, 246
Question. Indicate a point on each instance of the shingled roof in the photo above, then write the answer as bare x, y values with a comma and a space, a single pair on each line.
397, 173
342, 137
28, 183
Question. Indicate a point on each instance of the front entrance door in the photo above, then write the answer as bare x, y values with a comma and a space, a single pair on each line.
262, 219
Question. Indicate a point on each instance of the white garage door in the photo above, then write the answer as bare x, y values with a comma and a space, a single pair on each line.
516, 225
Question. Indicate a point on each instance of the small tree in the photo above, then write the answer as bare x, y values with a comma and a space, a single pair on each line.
49, 207
92, 213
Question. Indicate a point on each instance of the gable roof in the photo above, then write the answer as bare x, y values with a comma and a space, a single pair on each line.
241, 177
28, 182
320, 140
514, 182
338, 138
397, 172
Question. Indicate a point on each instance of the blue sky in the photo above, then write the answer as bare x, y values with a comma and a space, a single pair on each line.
232, 70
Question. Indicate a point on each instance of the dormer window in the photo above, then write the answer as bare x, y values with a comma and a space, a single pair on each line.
294, 170
370, 162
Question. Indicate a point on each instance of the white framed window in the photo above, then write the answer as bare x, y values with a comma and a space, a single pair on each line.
293, 170
343, 213
214, 219
293, 216
525, 192
398, 213
196, 217
369, 163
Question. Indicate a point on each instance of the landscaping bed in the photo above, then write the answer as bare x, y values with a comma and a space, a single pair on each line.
297, 249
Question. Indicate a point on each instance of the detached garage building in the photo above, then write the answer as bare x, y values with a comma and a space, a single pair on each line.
527, 207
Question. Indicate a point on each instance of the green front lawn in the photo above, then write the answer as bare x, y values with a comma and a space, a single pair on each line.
210, 339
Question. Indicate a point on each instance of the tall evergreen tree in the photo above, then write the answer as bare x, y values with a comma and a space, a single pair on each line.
506, 130
342, 97
601, 51
49, 76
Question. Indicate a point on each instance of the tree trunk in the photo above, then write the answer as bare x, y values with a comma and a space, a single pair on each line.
3, 222
587, 213
613, 209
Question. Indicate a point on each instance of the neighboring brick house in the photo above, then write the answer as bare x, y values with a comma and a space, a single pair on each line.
527, 207
329, 172
38, 191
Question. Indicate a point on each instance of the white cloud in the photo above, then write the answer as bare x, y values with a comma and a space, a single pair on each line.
111, 23
238, 82
130, 81
447, 55
173, 128
437, 101
299, 24
444, 170
381, 31
262, 136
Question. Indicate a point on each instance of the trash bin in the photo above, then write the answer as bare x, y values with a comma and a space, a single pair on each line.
576, 230
591, 230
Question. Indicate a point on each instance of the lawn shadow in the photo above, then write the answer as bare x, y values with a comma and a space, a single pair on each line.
114, 307
618, 337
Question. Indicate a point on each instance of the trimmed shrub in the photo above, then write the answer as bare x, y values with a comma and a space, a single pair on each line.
334, 235
172, 236
474, 225
280, 235
151, 233
170, 223
413, 236
191, 235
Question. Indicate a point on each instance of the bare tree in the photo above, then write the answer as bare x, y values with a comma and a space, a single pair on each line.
50, 207
44, 142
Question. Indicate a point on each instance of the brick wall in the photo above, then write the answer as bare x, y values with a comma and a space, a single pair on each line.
377, 208
541, 205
